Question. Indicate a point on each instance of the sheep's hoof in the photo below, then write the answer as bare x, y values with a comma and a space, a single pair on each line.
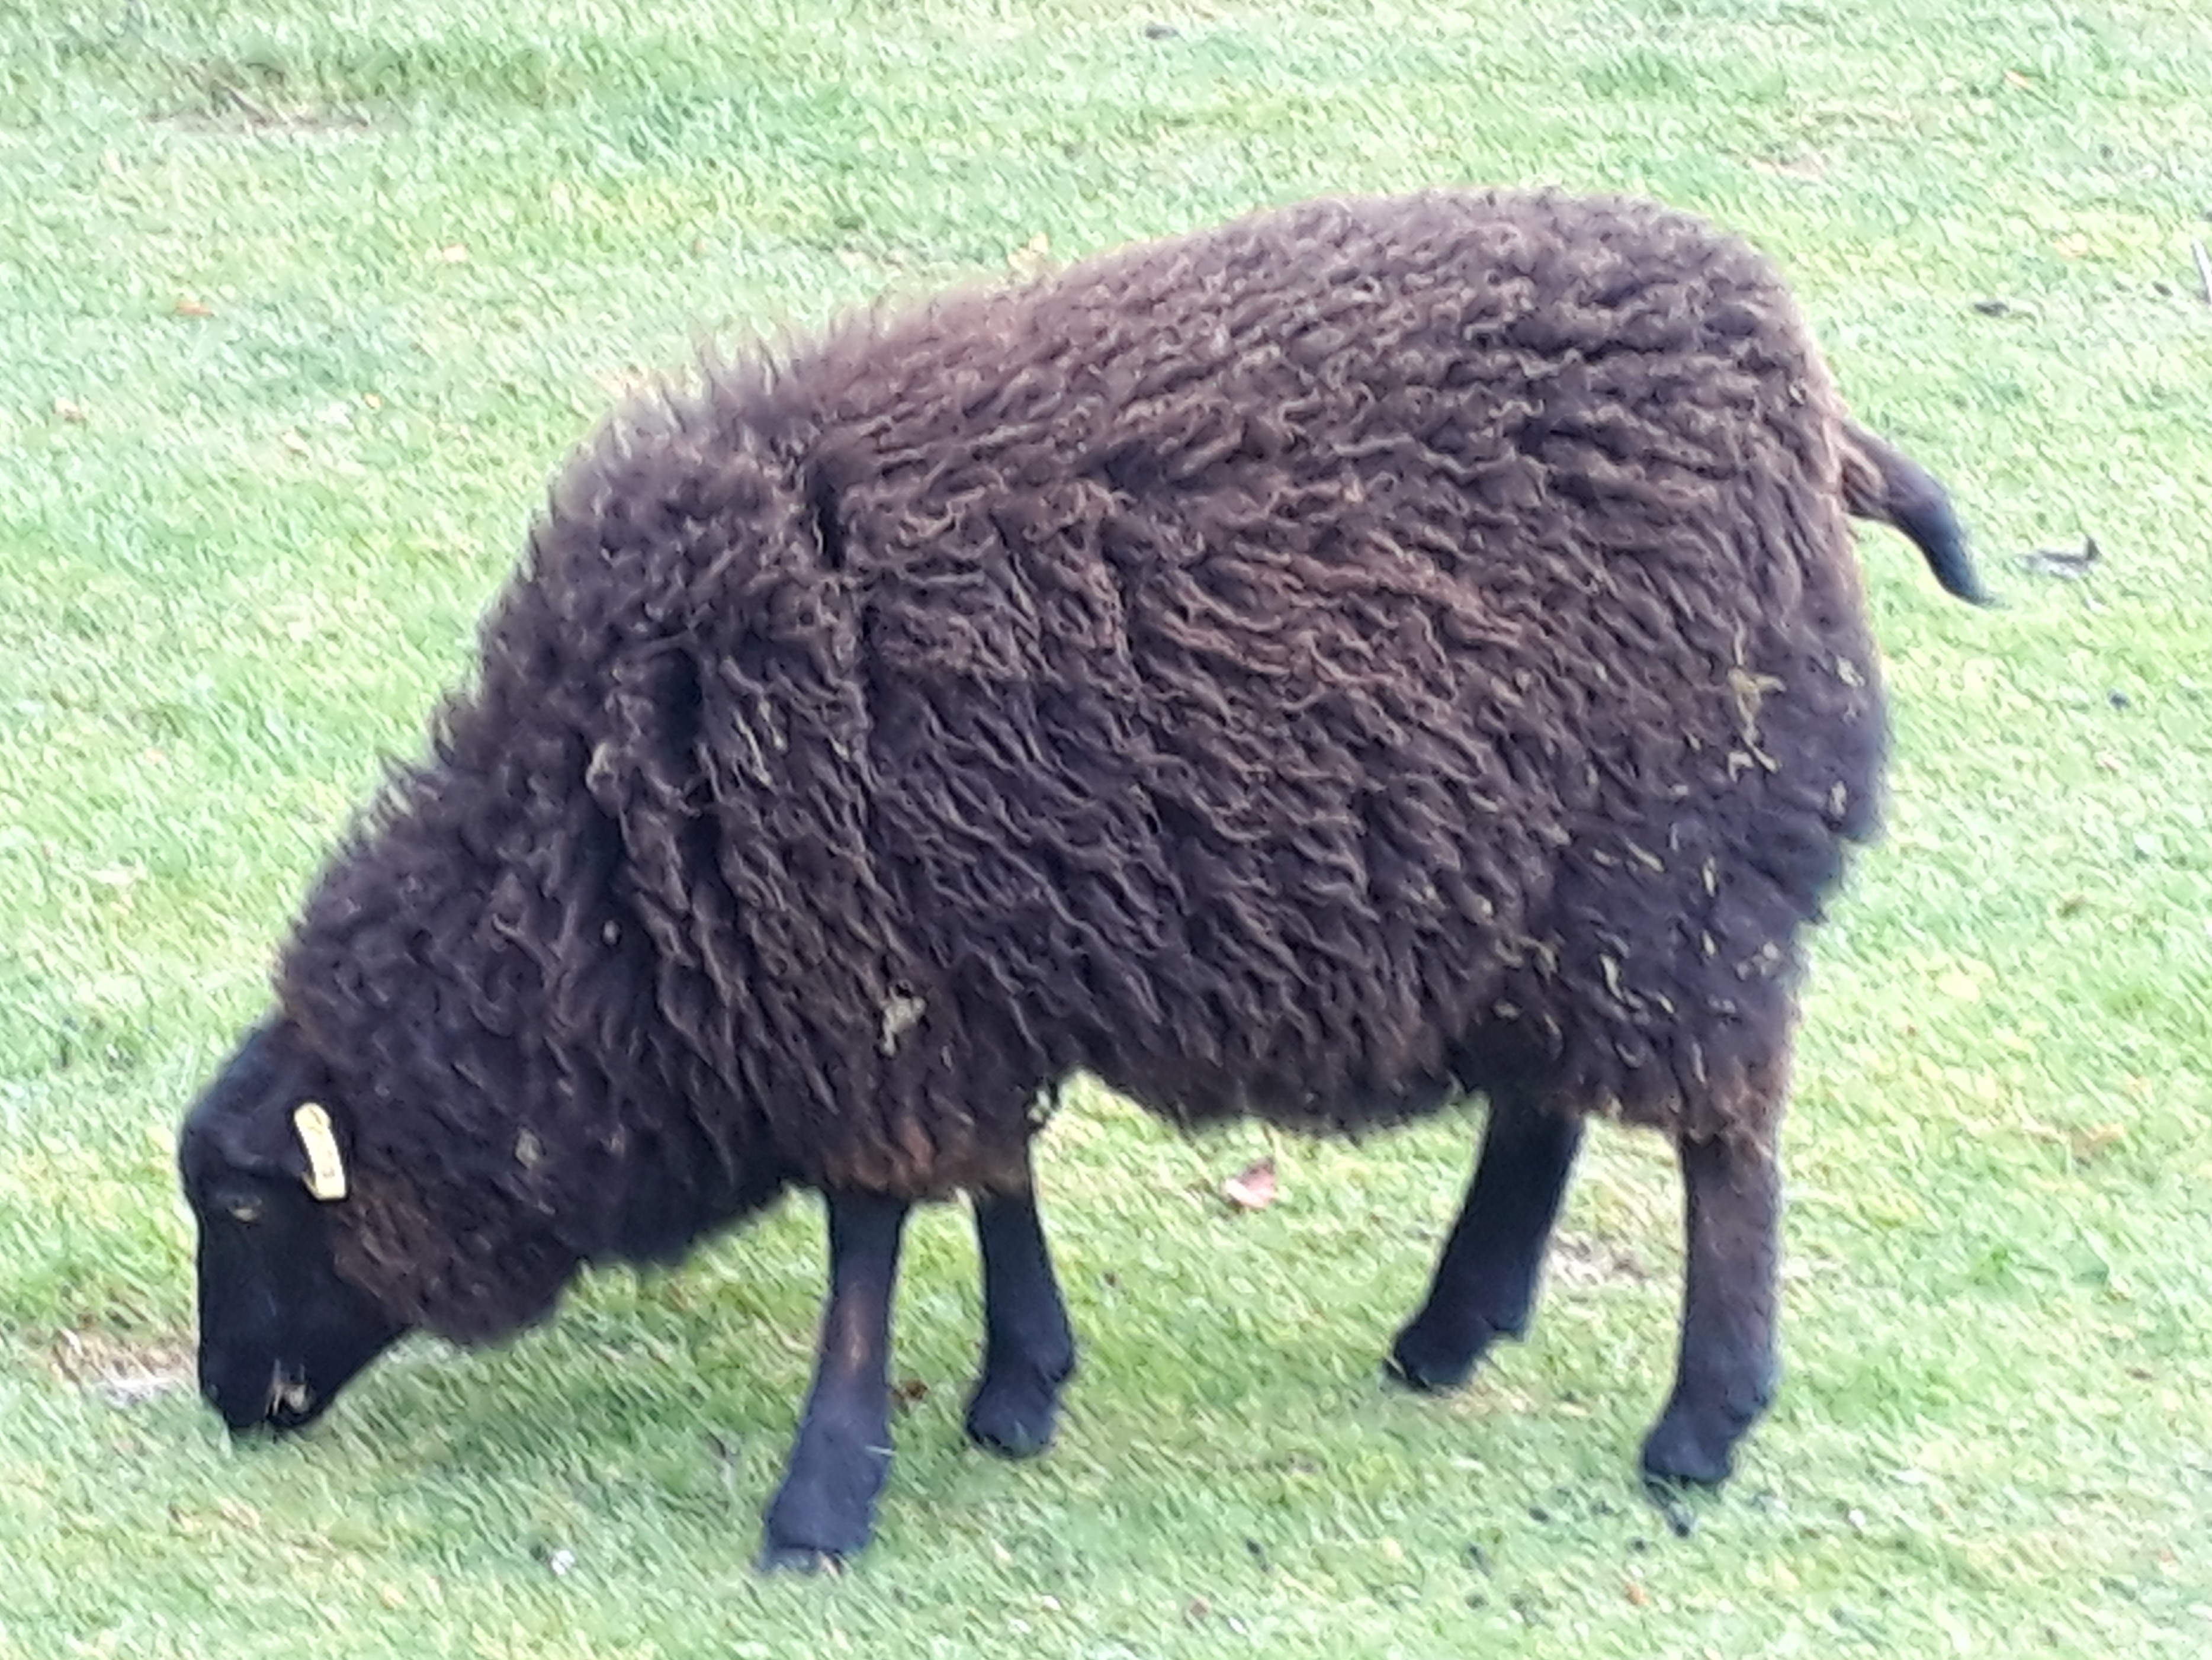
1694, 1441
800, 1559
1015, 1417
1682, 1452
1423, 1359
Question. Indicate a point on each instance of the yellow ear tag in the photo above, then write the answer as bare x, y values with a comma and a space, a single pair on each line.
327, 1177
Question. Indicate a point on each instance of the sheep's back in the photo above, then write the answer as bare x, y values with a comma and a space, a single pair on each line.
1298, 668
1306, 662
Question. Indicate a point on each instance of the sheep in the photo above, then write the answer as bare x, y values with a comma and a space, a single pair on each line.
1377, 653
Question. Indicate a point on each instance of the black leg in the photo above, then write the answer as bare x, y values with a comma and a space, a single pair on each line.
1728, 1368
1028, 1349
1485, 1280
825, 1509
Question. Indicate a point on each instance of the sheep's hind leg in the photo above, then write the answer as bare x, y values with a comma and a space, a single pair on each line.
1028, 1349
1485, 1280
1728, 1367
825, 1509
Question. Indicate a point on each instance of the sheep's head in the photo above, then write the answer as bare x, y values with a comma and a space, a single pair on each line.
264, 1167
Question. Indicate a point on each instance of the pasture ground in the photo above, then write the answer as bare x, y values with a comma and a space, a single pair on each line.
301, 304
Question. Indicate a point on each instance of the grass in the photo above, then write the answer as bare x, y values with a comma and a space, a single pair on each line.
300, 305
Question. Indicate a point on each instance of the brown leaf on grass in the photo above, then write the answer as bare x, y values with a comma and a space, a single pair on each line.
70, 410
910, 1392
1254, 1187
1636, 1595
188, 307
2097, 1140
2086, 1144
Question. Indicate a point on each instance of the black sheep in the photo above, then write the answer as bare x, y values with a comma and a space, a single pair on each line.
1318, 668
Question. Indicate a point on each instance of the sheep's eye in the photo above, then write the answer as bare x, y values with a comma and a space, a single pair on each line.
243, 1210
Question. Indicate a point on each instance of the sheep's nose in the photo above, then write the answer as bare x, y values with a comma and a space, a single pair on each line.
226, 1407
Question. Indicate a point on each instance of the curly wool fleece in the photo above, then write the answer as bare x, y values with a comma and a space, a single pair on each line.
1314, 667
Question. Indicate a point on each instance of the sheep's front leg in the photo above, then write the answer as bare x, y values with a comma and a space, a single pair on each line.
825, 1509
1027, 1350
1485, 1280
1728, 1368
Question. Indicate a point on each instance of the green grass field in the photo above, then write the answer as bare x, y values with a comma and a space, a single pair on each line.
299, 306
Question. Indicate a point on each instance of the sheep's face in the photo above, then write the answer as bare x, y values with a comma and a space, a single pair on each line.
281, 1330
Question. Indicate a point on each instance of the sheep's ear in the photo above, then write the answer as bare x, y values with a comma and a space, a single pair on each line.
249, 1119
326, 1174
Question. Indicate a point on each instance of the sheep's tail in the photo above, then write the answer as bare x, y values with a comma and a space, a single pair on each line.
1881, 482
